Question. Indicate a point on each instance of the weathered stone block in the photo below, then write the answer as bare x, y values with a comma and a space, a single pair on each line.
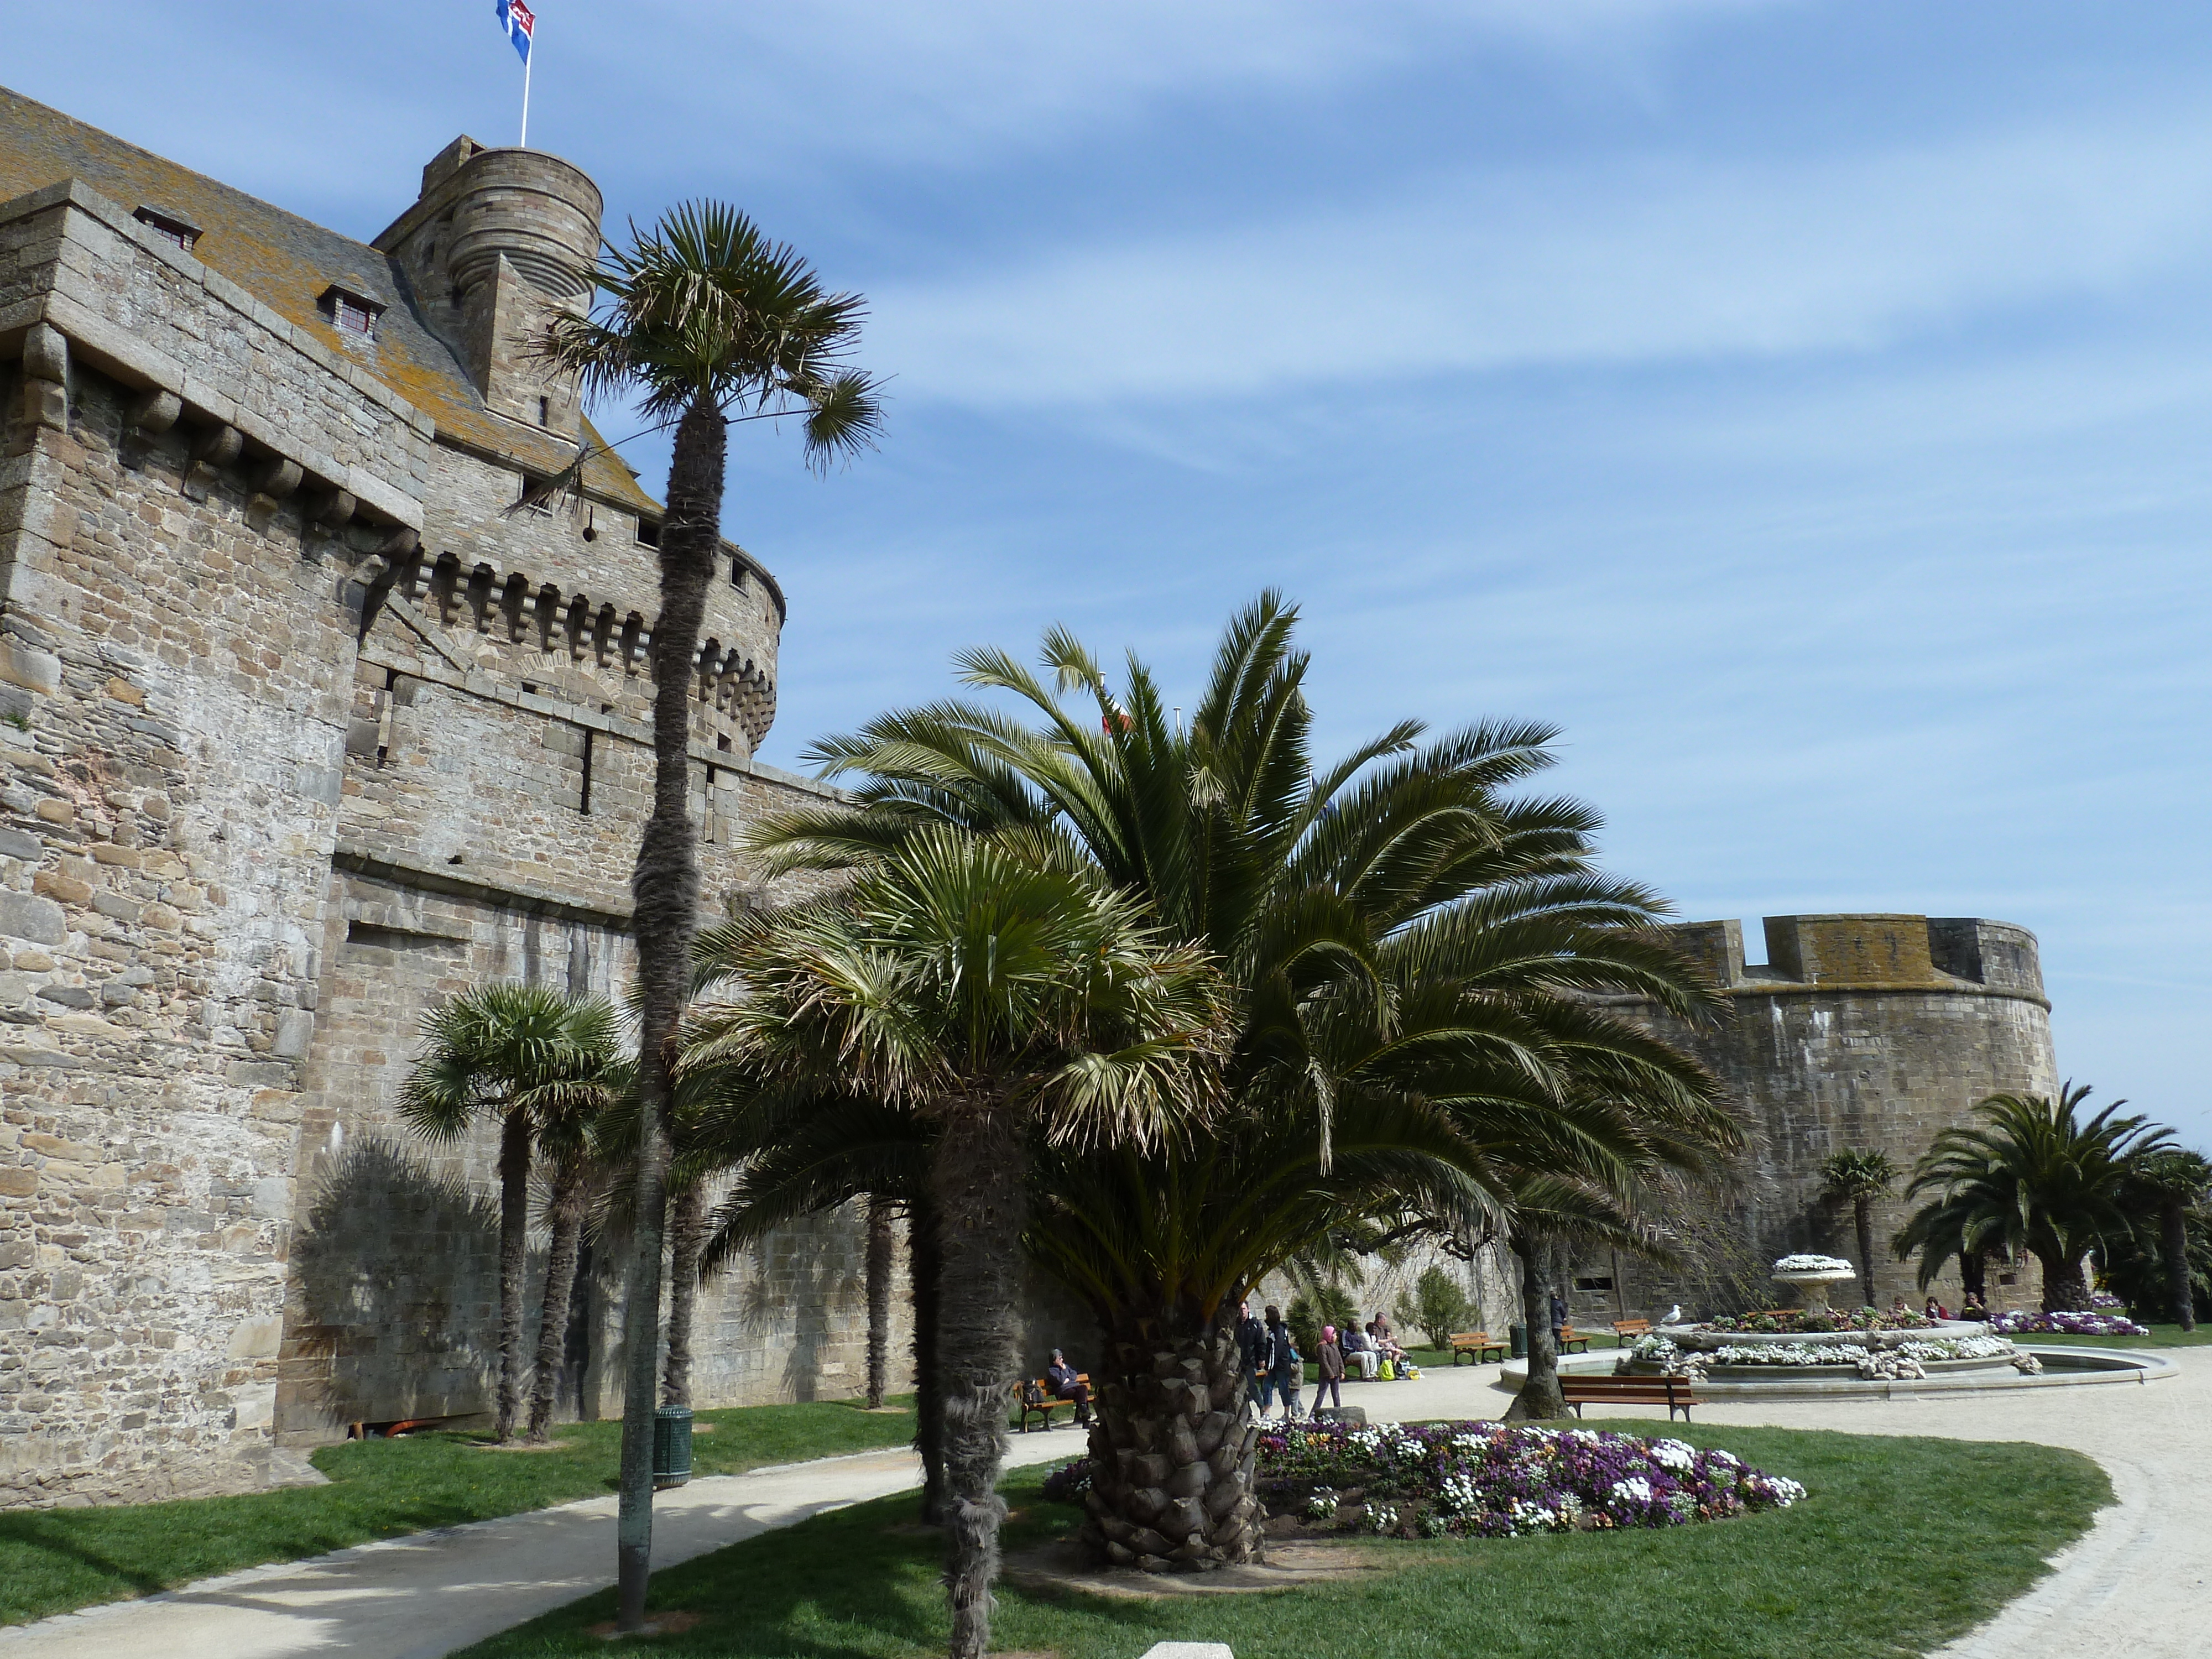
23, 916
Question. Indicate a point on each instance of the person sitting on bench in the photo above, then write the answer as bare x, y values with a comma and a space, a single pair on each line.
1061, 1378
1359, 1352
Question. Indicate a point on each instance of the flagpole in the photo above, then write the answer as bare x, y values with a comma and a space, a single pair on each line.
524, 144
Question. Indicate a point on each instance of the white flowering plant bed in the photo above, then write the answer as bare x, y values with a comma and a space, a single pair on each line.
1499, 1481
1894, 1360
1814, 1264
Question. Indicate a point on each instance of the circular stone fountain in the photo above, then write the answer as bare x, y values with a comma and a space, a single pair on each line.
1817, 1350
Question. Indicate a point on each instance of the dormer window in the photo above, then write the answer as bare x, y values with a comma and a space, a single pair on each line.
169, 226
351, 310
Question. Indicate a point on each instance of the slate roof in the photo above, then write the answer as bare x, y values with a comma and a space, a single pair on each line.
288, 262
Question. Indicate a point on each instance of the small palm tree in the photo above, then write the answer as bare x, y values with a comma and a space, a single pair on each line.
1007, 996
573, 1121
2034, 1178
1857, 1178
2170, 1183
711, 321
520, 1054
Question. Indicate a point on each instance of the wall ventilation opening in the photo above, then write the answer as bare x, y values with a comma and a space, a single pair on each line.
544, 411
584, 784
168, 226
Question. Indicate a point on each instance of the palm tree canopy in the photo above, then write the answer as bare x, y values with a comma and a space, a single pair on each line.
1426, 968
957, 969
2034, 1177
503, 1047
704, 308
1853, 1175
1392, 921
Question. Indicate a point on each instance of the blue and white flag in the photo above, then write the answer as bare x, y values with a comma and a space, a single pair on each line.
519, 22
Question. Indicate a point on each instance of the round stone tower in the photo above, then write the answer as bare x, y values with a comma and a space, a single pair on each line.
1862, 1033
536, 211
497, 238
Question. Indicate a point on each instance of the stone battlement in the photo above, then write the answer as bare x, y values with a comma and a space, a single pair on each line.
1874, 952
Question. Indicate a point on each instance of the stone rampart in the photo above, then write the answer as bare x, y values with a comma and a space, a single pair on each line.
1858, 1033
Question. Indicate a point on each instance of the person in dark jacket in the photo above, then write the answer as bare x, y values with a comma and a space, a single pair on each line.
1286, 1367
1067, 1384
1558, 1319
1251, 1354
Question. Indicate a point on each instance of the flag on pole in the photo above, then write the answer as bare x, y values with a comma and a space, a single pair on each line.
519, 22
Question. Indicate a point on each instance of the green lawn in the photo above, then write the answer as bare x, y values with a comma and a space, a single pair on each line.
53, 1560
1900, 1545
2162, 1336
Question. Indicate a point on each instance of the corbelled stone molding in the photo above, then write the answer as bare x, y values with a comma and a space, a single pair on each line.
73, 320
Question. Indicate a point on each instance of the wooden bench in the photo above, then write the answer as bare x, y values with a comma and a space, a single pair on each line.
1625, 1329
1568, 1337
1036, 1396
1477, 1344
1672, 1392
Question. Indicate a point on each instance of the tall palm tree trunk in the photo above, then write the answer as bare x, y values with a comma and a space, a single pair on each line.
1182, 1497
513, 1255
687, 1231
572, 1193
879, 1300
980, 1184
2173, 1244
666, 891
926, 1270
1540, 1396
1862, 1216
2065, 1285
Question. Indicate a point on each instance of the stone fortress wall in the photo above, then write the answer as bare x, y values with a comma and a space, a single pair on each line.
308, 725
1857, 1033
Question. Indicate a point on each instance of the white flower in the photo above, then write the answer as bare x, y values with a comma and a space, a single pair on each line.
1813, 1264
1635, 1489
1674, 1454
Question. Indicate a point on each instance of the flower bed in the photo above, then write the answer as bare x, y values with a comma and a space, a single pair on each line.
1815, 1321
1492, 1480
2067, 1324
1902, 1360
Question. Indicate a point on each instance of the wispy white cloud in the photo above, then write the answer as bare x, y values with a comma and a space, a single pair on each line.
965, 78
1642, 261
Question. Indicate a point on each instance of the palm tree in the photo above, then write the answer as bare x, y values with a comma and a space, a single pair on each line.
1393, 924
705, 316
573, 1121
2032, 1178
1857, 1178
521, 1054
1007, 996
2172, 1181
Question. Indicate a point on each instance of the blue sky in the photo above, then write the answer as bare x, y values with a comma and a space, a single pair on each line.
1808, 406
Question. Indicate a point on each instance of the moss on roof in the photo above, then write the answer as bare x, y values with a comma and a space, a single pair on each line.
288, 262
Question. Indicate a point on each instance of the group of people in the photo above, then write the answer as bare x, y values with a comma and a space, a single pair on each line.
1275, 1370
1972, 1308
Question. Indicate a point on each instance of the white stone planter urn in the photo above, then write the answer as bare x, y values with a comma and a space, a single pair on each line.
1812, 1275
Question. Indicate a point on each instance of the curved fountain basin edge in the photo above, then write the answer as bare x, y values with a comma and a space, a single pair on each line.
2133, 1365
1689, 1337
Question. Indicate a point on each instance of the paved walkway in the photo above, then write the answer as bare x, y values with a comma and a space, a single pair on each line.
430, 1593
2136, 1586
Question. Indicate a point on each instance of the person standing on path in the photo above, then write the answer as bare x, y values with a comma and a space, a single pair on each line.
1330, 1358
1251, 1353
1558, 1322
1286, 1367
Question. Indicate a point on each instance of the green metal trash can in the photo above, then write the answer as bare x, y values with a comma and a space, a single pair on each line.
672, 1446
1517, 1335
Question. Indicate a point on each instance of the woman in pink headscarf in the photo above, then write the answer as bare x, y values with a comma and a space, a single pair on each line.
1331, 1370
